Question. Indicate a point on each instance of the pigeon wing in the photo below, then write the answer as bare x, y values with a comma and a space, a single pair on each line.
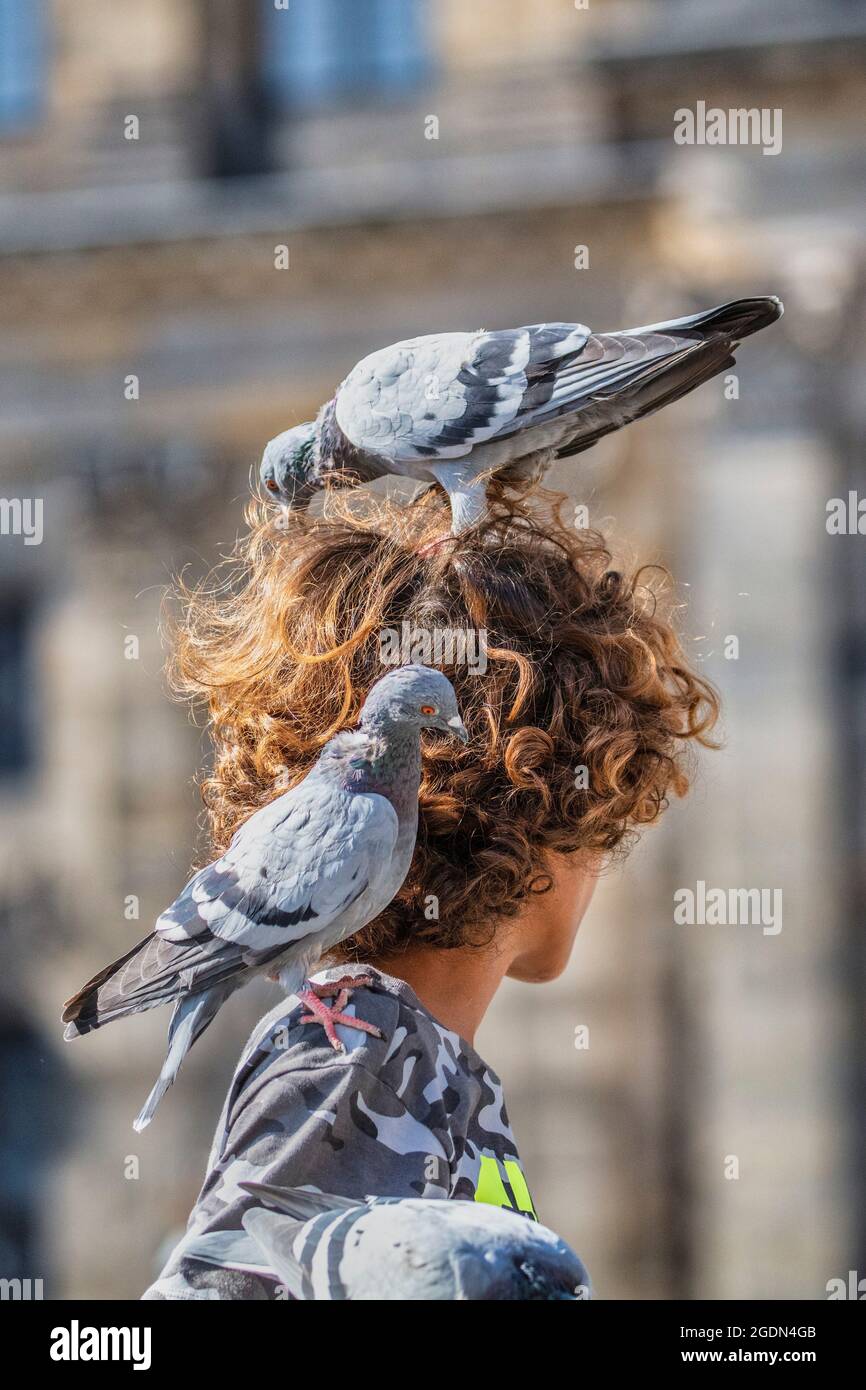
290, 871
436, 397
276, 1237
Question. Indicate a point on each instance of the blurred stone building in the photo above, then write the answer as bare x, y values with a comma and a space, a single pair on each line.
418, 166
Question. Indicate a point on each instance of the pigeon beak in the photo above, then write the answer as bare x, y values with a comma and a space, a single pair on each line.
458, 728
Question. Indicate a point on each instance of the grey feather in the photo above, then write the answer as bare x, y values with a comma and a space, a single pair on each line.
460, 407
192, 1015
227, 1249
304, 872
297, 1201
403, 1249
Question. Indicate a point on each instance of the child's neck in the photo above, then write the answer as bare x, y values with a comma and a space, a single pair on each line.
456, 986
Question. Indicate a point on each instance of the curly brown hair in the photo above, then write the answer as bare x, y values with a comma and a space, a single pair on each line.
584, 670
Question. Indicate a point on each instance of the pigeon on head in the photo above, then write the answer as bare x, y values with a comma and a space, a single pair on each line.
302, 873
461, 408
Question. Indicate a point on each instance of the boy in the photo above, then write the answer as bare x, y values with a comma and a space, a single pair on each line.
580, 716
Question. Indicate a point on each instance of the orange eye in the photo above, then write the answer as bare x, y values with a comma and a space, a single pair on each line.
272, 486
429, 709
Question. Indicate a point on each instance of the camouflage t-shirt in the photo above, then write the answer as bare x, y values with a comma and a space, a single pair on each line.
417, 1114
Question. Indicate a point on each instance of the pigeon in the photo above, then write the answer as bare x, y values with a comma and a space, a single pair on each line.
302, 873
459, 408
385, 1249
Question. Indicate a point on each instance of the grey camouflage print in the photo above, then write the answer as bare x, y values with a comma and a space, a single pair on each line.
418, 1114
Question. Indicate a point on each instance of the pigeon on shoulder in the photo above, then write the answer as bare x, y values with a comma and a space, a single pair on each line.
321, 1247
301, 874
460, 408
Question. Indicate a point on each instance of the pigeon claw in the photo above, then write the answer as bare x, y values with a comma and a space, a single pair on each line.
329, 1015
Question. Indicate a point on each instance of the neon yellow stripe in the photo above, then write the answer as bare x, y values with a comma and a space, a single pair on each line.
519, 1187
490, 1187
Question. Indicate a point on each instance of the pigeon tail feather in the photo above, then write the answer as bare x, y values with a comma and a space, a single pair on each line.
82, 1012
296, 1202
737, 319
656, 387
226, 1249
276, 1235
191, 1017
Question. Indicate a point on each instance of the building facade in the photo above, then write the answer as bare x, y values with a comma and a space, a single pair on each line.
208, 212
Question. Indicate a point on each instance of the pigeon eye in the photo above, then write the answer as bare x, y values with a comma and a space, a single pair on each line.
429, 709
272, 486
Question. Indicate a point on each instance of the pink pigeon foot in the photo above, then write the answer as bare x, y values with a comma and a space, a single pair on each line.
329, 1016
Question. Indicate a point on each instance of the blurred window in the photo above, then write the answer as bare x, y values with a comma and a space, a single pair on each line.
21, 63
15, 730
322, 51
35, 1116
